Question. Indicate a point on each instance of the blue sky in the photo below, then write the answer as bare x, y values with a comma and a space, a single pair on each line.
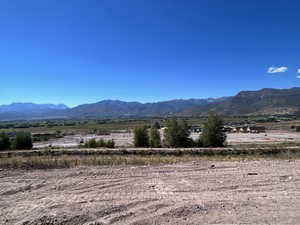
82, 51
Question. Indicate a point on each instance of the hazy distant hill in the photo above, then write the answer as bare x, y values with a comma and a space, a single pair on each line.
28, 111
115, 108
103, 109
30, 107
267, 101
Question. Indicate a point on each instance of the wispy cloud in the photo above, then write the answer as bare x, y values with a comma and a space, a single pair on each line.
274, 69
298, 71
298, 76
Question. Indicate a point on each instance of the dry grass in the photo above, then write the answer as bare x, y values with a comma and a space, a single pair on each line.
48, 162
67, 161
266, 145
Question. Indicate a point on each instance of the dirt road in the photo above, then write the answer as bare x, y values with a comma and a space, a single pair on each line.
203, 192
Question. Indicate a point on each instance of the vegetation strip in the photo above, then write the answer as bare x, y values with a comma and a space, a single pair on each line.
154, 151
67, 161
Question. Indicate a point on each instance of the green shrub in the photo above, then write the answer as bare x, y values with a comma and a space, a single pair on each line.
110, 144
93, 143
155, 141
213, 134
22, 140
4, 142
141, 137
177, 134
101, 143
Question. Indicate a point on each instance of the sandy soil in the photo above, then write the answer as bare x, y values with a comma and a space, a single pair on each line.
126, 139
202, 192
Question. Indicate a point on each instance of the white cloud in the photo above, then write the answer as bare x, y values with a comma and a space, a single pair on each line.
298, 72
274, 69
298, 77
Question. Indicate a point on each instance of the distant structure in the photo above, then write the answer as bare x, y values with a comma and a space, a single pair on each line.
256, 129
195, 129
244, 129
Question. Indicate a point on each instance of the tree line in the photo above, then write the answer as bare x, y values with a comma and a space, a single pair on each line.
177, 134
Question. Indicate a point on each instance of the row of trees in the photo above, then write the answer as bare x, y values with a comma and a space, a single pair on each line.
21, 140
177, 134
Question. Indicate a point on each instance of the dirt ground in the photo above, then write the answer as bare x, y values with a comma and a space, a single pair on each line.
202, 192
126, 139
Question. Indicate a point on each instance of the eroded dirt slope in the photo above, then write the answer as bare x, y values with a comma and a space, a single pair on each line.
189, 193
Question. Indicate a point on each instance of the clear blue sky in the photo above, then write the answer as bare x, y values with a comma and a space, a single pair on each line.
83, 51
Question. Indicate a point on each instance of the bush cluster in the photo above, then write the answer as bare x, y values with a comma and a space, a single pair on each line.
22, 140
93, 143
4, 142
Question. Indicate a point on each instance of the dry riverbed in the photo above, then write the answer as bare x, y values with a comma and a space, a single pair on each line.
200, 192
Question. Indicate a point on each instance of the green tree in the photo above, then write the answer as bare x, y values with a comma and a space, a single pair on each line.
177, 134
23, 140
213, 134
4, 142
155, 141
141, 137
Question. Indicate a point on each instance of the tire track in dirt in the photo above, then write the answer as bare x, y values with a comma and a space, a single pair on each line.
24, 188
113, 214
141, 211
184, 193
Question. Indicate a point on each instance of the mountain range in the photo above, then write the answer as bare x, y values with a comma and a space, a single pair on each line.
266, 101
